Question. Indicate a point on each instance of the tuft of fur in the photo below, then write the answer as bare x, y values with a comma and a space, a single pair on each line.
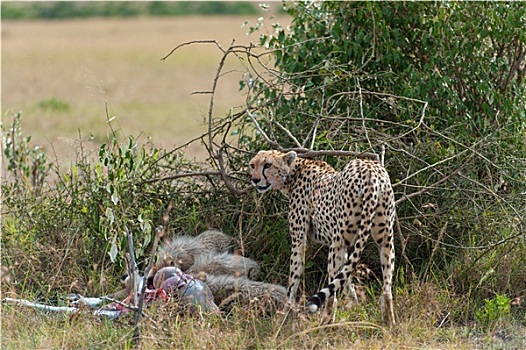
181, 251
228, 289
216, 241
225, 264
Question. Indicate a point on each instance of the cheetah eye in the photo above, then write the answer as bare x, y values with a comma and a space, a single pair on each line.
266, 166
251, 166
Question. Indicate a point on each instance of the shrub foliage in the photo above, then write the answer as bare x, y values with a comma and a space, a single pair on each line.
437, 88
440, 87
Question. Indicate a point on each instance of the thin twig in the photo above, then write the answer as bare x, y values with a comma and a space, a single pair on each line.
193, 42
218, 74
226, 53
472, 148
403, 243
361, 92
433, 251
226, 177
287, 131
121, 303
360, 100
234, 117
307, 153
431, 166
260, 130
178, 176
427, 188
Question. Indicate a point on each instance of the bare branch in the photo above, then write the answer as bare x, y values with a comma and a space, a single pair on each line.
361, 113
193, 42
226, 177
403, 243
260, 130
226, 53
178, 176
472, 148
119, 302
431, 166
361, 92
289, 134
427, 188
307, 153
212, 95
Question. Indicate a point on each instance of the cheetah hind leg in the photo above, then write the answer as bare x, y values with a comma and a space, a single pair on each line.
351, 291
329, 311
349, 285
386, 307
328, 314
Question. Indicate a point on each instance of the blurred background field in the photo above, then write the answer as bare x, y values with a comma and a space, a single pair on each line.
68, 76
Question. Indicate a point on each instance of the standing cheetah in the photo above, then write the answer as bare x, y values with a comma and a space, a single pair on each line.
338, 209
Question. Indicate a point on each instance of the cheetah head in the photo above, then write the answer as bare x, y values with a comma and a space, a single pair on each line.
270, 169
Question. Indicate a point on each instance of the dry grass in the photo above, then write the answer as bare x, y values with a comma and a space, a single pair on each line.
245, 329
90, 62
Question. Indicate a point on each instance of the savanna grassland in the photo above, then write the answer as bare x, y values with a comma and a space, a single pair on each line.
459, 281
68, 77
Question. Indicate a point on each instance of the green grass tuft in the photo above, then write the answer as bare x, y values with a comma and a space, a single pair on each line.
54, 105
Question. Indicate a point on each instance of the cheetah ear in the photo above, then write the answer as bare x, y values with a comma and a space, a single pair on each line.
290, 157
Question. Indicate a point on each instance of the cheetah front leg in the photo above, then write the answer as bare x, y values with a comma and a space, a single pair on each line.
297, 261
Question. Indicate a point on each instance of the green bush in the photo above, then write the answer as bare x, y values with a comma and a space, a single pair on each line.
73, 222
439, 86
494, 309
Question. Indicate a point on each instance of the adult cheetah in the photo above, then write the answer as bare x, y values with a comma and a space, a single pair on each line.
338, 209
